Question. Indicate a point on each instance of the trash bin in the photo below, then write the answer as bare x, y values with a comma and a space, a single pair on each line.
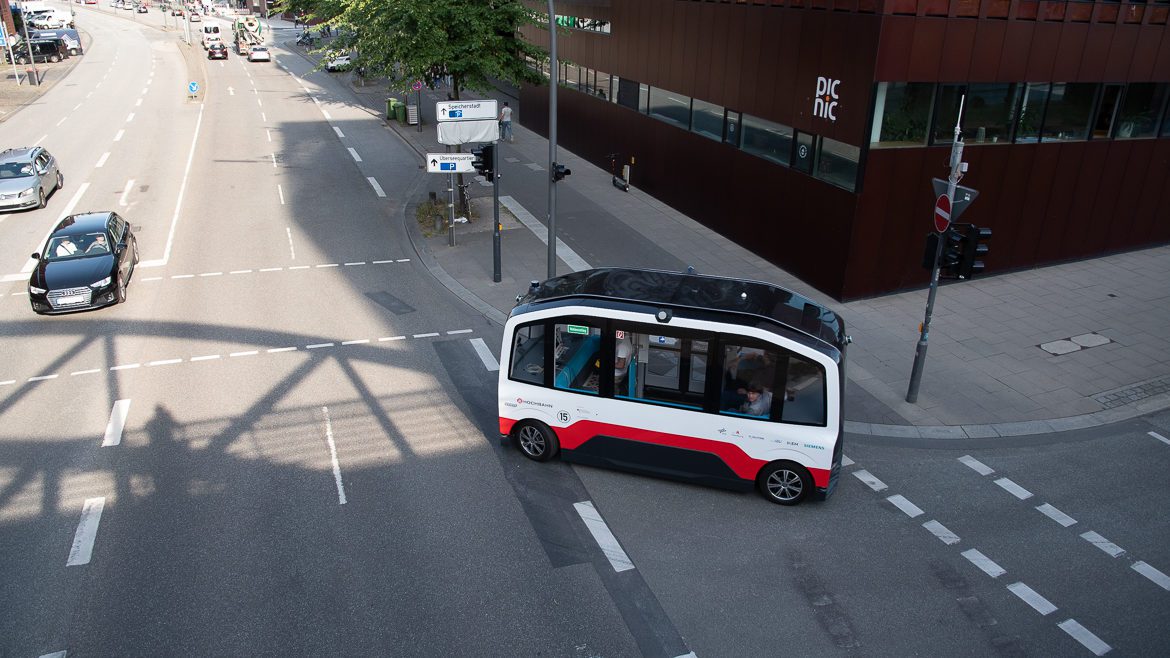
412, 115
390, 103
400, 112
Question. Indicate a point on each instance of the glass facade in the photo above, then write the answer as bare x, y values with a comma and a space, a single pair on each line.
1142, 104
988, 111
707, 119
837, 163
670, 107
772, 141
1070, 108
905, 113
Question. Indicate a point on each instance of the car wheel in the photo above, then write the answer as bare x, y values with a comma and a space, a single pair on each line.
121, 290
41, 198
784, 483
73, 52
54, 58
537, 441
60, 181
22, 60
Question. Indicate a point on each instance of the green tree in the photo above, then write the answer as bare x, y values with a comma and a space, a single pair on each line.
406, 40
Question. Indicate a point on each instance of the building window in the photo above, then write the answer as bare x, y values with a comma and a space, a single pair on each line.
579, 23
1140, 110
707, 119
731, 128
987, 113
1031, 113
772, 141
631, 94
671, 107
837, 163
1106, 112
602, 87
1070, 108
901, 113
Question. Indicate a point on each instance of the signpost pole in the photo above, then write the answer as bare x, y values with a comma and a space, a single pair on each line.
552, 141
451, 209
957, 169
7, 44
496, 276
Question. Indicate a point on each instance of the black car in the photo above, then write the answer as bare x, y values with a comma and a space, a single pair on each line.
86, 263
217, 51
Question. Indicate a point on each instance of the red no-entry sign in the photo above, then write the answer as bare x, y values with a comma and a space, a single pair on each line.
942, 213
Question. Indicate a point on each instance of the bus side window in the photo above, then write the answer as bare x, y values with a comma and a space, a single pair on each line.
749, 375
804, 392
576, 357
528, 354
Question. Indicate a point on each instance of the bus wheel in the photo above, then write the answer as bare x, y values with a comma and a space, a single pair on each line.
784, 483
537, 441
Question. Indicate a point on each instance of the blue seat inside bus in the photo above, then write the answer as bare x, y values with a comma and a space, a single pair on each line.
585, 351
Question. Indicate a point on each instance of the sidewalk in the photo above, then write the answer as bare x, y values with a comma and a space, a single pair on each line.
1066, 347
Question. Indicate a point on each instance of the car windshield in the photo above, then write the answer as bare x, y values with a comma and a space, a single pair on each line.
259, 49
66, 247
16, 170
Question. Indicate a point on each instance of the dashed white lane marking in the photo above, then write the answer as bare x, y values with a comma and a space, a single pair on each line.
1029, 596
328, 265
8, 382
318, 346
130, 118
212, 274
38, 142
118, 137
182, 276
485, 354
76, 107
1160, 438
82, 549
269, 133
976, 465
1085, 637
271, 269
906, 506
128, 366
985, 564
263, 118
42, 378
1014, 489
126, 192
208, 357
260, 102
386, 338
333, 457
1056, 515
363, 341
90, 371
55, 654
426, 335
1104, 544
459, 331
603, 536
62, 120
338, 131
274, 160
117, 423
939, 530
869, 480
325, 112
353, 152
845, 461
292, 252
376, 186
301, 267
240, 272
1160, 579
138, 103
355, 263
164, 362
246, 353
281, 349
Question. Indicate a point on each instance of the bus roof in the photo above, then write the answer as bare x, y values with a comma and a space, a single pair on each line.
697, 291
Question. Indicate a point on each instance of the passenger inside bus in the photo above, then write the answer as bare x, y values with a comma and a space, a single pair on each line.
744, 366
757, 402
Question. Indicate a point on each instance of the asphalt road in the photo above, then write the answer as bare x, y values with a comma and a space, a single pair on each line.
284, 442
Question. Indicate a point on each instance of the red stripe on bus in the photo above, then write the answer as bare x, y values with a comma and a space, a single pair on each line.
737, 460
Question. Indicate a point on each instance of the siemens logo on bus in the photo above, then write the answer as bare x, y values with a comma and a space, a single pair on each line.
825, 105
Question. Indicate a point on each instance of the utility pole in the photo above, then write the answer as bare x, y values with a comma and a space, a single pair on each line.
552, 141
32, 59
958, 168
496, 276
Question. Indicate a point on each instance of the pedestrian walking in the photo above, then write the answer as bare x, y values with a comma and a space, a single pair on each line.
506, 123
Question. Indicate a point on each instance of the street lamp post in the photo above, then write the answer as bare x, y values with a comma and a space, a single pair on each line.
552, 141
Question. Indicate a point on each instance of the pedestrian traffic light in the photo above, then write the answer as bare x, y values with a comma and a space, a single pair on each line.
559, 171
974, 248
952, 254
484, 156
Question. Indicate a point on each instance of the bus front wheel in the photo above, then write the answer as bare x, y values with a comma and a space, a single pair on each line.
784, 483
537, 441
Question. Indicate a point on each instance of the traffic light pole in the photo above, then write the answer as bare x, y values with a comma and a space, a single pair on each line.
496, 214
552, 141
957, 169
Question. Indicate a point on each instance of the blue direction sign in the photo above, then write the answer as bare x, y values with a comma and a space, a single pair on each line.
192, 87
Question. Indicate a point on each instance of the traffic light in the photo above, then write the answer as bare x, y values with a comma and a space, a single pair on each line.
974, 248
559, 171
484, 156
952, 253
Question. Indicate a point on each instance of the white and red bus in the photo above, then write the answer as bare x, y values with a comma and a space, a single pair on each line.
720, 381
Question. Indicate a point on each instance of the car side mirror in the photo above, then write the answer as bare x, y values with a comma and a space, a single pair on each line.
36, 256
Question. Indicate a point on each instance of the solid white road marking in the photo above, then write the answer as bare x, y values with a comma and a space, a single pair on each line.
31, 264
906, 506
570, 257
976, 465
83, 538
1104, 544
354, 153
845, 461
869, 480
604, 537
118, 137
1029, 596
1085, 637
126, 192
1160, 438
377, 189
1160, 579
338, 131
117, 423
288, 231
984, 563
333, 456
939, 530
1014, 489
179, 201
1056, 515
485, 354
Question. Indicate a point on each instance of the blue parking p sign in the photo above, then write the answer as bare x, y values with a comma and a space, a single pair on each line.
192, 87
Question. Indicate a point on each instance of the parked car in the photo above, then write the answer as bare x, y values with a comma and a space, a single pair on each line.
27, 177
217, 51
338, 63
259, 54
71, 38
195, 18
86, 263
42, 51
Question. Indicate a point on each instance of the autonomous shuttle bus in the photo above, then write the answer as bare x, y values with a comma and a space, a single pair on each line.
725, 382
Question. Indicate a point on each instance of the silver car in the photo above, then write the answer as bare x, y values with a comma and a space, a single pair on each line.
27, 177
